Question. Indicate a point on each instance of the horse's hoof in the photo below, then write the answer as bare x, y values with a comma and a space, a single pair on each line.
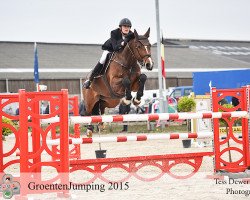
125, 101
89, 133
136, 102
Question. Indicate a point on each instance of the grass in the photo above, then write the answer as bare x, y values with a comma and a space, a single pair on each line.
137, 128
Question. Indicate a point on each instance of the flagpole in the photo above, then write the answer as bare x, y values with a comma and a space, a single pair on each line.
36, 72
164, 84
81, 94
37, 87
165, 98
163, 64
159, 55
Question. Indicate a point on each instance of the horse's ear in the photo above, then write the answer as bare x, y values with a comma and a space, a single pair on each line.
136, 35
147, 33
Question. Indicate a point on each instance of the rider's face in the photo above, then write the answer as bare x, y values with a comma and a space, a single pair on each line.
125, 29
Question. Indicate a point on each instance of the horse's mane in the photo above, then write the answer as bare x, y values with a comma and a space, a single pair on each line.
143, 39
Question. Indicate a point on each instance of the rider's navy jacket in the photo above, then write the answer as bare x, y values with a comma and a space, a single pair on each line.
115, 40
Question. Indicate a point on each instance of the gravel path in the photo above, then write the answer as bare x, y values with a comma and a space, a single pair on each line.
196, 187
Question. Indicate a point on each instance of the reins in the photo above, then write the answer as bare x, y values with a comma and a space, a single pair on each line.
133, 54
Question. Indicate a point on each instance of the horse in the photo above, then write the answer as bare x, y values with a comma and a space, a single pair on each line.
122, 75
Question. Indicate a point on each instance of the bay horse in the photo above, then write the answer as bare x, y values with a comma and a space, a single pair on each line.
122, 75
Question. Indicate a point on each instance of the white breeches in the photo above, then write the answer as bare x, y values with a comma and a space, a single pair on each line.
104, 56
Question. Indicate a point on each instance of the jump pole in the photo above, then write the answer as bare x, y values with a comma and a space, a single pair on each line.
148, 117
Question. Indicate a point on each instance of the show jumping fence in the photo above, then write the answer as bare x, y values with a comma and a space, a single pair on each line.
42, 126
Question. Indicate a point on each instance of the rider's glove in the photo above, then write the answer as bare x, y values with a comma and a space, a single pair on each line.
129, 36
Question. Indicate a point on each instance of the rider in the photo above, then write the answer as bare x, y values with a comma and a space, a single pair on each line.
119, 38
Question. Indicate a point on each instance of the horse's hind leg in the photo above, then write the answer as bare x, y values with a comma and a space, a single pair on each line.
95, 111
139, 94
91, 99
127, 85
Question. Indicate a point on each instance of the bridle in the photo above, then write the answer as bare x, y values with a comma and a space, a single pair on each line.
141, 60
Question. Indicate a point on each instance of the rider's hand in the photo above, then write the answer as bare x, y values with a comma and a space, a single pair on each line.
126, 40
124, 43
129, 36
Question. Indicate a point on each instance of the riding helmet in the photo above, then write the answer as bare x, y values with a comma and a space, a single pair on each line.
125, 22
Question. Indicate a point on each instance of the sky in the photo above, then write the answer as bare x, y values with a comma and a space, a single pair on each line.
90, 21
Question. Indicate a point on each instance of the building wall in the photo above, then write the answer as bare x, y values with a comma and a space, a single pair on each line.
73, 85
152, 83
184, 82
2, 86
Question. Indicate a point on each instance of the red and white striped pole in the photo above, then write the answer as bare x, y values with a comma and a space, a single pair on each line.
152, 117
138, 138
149, 117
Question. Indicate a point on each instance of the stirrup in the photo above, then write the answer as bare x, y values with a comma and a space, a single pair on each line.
87, 84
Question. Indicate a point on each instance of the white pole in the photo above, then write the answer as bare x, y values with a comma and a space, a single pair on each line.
159, 55
81, 95
135, 138
7, 85
164, 83
165, 98
37, 87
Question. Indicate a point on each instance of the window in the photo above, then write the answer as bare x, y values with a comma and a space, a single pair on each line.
177, 93
187, 91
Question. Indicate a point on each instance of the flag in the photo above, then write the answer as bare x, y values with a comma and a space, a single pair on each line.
163, 59
210, 85
36, 73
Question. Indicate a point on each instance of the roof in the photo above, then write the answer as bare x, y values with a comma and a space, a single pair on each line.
239, 50
67, 61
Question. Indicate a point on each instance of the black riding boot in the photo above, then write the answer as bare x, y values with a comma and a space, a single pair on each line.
97, 69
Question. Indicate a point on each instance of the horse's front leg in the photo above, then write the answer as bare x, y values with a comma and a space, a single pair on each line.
139, 94
127, 85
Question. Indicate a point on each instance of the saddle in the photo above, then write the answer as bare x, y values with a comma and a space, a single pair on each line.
101, 79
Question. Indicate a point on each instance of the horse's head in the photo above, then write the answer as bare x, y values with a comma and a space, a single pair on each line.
142, 49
